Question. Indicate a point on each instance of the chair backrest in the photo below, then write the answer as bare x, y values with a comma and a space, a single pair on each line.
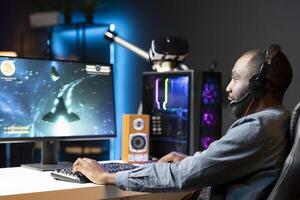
287, 186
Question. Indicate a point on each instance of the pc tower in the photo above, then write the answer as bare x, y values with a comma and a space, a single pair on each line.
184, 109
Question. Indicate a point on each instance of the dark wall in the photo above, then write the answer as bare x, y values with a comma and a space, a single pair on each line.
216, 30
219, 31
13, 20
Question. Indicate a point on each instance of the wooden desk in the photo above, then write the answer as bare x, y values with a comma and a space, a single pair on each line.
27, 184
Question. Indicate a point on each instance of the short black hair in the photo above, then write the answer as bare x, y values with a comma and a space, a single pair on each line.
279, 74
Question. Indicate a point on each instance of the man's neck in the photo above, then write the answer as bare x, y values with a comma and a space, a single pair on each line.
262, 104
267, 102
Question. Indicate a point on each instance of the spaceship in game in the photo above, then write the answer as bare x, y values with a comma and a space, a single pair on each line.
54, 74
60, 111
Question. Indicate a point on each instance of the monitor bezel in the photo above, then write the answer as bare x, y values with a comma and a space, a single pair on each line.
65, 138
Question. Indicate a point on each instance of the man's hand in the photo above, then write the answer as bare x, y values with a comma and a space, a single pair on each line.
172, 157
93, 171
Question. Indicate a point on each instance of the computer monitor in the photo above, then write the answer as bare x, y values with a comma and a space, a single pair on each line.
52, 100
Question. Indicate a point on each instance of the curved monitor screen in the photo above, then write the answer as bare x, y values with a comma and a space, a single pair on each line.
55, 99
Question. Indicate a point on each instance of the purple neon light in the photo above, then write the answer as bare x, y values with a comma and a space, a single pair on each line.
156, 94
208, 118
206, 141
210, 93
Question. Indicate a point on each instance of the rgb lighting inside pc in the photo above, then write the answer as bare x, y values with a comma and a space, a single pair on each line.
48, 99
210, 93
167, 99
170, 103
171, 95
206, 140
210, 120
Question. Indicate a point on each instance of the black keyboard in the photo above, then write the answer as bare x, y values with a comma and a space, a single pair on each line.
67, 175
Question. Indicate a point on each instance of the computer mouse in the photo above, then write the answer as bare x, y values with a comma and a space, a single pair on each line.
82, 178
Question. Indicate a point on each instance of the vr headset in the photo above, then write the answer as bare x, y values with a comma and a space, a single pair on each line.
168, 49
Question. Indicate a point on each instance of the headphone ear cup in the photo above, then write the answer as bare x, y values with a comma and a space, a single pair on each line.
257, 87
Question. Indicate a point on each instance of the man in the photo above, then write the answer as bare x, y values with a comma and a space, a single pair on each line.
246, 161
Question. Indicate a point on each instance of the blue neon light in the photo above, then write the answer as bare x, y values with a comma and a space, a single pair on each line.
126, 72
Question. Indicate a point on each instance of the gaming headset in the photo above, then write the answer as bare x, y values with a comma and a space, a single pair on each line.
258, 83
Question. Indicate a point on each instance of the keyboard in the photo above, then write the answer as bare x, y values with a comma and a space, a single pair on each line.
66, 174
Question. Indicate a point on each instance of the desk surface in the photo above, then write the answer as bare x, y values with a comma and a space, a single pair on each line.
24, 183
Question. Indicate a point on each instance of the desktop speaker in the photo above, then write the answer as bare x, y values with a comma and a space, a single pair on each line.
135, 139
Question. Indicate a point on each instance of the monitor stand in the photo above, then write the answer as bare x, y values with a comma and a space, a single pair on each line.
48, 158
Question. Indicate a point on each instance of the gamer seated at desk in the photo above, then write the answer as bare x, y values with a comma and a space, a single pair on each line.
246, 161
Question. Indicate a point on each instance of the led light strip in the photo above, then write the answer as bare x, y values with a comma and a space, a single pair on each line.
156, 93
166, 94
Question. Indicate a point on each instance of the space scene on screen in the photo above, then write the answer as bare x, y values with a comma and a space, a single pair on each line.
48, 98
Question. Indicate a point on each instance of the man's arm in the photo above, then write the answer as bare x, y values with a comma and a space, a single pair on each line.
93, 171
172, 157
235, 155
238, 153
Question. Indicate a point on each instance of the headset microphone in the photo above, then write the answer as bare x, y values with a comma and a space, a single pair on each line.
234, 103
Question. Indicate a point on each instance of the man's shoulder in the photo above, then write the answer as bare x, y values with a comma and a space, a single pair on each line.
274, 120
276, 113
279, 110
